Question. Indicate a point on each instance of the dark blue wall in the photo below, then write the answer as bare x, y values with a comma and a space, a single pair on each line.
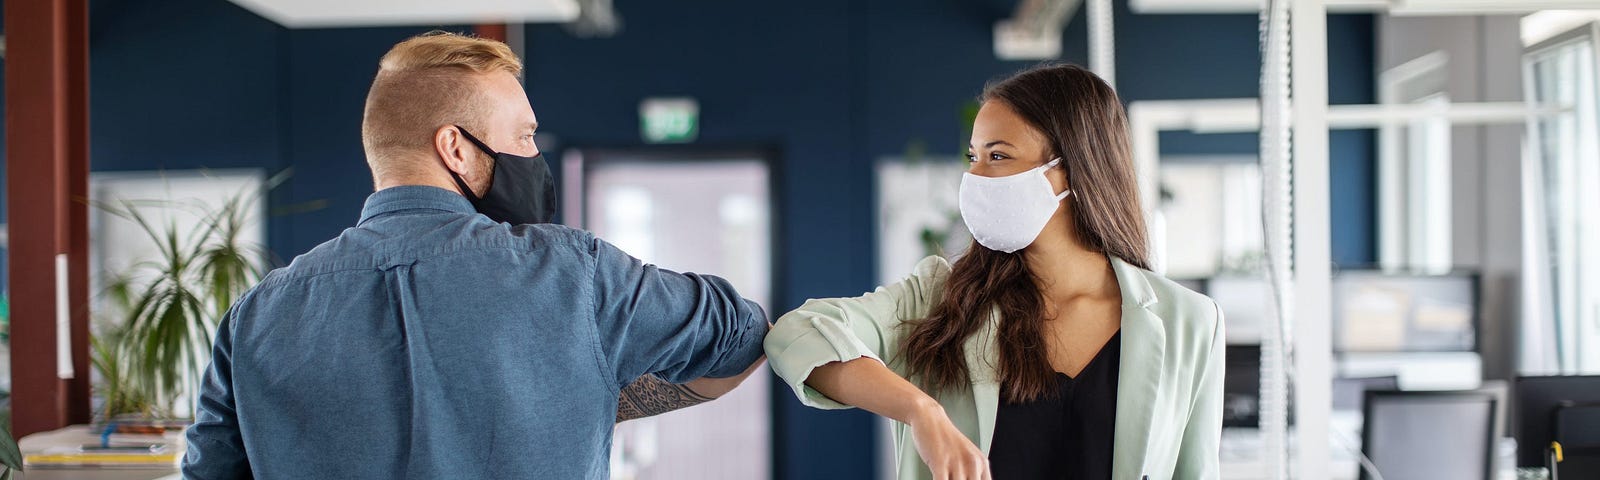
182, 84
831, 85
785, 74
1353, 154
185, 84
326, 78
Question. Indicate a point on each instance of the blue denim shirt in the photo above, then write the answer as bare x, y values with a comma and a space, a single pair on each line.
431, 342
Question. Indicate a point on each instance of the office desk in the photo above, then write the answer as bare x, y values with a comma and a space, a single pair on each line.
1243, 456
102, 474
1242, 453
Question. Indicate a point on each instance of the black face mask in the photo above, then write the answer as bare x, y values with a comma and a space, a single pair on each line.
521, 189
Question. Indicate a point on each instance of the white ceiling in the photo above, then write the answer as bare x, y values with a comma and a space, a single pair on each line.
1396, 7
368, 13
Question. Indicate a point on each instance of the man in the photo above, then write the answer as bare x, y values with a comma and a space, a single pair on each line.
432, 341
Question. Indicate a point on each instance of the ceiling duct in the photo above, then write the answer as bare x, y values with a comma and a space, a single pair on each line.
1034, 31
596, 19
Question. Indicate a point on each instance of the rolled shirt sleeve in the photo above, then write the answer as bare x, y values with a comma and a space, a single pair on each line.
824, 331
678, 326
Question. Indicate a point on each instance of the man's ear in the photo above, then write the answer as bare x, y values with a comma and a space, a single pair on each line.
450, 146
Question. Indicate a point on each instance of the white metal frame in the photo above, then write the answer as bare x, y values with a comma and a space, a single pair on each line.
1311, 119
1312, 253
1308, 54
1102, 42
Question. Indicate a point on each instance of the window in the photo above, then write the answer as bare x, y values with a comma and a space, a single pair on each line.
1414, 171
1211, 216
1562, 209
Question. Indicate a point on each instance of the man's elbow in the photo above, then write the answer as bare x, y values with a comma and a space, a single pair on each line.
716, 387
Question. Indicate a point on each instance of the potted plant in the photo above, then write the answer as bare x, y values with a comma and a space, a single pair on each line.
166, 309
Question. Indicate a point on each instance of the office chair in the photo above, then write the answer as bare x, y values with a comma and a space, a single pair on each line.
1429, 435
1537, 397
1241, 387
1575, 451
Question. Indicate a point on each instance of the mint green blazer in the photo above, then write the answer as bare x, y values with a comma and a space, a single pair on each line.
1169, 394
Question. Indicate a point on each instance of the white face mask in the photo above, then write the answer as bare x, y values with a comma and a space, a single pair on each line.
1007, 213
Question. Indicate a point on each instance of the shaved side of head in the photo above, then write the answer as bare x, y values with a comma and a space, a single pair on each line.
424, 83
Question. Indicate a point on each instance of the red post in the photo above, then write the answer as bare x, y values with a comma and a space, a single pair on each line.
47, 153
491, 31
77, 218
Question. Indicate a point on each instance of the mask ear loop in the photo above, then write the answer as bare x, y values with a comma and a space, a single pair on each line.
475, 141
1051, 164
466, 191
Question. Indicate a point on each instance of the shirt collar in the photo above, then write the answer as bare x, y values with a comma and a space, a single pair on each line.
1136, 288
410, 197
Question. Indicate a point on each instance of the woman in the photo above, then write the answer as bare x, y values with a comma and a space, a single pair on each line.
1048, 350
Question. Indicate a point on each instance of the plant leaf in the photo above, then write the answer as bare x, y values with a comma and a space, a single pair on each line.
10, 455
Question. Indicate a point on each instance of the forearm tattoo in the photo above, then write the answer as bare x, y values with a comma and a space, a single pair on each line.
650, 396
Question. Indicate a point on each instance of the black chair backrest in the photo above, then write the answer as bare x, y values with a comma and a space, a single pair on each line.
1576, 426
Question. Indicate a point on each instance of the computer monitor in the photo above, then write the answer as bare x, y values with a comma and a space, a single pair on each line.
1535, 399
1241, 387
1382, 312
1348, 393
1432, 434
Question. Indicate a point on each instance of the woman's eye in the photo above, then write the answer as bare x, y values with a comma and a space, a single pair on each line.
996, 157
971, 158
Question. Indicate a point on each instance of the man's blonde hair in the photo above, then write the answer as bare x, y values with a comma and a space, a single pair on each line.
423, 83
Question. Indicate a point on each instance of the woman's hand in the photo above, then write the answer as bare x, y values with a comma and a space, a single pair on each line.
948, 453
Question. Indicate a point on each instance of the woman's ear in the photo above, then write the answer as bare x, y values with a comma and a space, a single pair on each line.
1058, 177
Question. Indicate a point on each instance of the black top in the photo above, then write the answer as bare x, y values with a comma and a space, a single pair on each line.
1069, 435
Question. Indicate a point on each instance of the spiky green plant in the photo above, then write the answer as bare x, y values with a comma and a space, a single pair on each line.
10, 455
172, 304
111, 357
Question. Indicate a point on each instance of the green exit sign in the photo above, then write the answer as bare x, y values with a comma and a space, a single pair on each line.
669, 120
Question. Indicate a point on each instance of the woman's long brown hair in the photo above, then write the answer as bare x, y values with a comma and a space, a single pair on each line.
1086, 126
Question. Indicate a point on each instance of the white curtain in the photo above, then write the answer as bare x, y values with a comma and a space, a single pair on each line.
1561, 327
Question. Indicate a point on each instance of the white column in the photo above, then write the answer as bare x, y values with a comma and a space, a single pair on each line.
1102, 41
1312, 254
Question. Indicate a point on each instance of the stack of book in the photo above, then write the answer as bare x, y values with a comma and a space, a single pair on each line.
113, 457
114, 446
